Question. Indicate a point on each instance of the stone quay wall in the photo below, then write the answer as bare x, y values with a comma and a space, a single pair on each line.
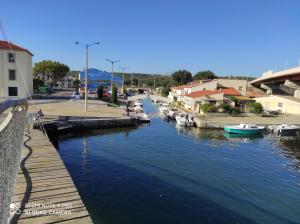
12, 130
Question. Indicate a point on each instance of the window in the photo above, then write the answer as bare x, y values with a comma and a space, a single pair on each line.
240, 88
11, 57
12, 74
280, 104
12, 91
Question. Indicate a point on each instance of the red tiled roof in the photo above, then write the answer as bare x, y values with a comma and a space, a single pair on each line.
230, 92
202, 93
10, 46
227, 92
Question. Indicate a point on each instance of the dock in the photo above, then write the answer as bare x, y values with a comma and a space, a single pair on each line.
44, 191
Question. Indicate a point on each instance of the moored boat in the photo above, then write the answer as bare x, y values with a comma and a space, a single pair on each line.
138, 109
244, 129
284, 129
143, 118
163, 108
184, 119
138, 103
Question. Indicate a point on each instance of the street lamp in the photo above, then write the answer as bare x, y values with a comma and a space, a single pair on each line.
86, 71
112, 71
123, 68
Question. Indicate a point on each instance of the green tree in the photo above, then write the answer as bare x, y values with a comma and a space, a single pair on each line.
205, 75
182, 77
165, 91
100, 92
114, 94
54, 69
76, 84
37, 83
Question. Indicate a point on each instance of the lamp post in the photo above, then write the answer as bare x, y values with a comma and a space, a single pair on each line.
123, 68
112, 71
86, 71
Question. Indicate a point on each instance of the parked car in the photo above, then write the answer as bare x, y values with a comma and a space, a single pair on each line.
106, 95
271, 113
123, 95
92, 91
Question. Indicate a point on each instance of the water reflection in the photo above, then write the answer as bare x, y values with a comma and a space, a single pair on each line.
290, 148
243, 136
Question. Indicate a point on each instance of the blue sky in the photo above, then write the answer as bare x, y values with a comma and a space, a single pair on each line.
160, 36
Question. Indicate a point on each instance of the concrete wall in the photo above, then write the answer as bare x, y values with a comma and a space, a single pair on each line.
204, 86
270, 103
11, 139
23, 68
240, 85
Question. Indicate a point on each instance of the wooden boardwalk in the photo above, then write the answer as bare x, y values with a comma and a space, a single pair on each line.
44, 190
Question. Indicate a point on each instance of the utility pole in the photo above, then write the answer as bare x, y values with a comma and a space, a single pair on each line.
123, 68
112, 72
131, 79
86, 72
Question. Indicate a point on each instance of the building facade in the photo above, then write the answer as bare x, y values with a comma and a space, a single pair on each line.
16, 78
282, 104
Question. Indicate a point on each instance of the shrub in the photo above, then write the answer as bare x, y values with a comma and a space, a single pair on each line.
100, 92
256, 108
225, 107
234, 111
114, 94
229, 109
207, 108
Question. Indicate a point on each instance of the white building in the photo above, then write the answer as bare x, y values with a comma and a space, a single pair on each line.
15, 71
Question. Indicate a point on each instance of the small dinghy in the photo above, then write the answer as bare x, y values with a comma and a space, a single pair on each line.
244, 129
284, 129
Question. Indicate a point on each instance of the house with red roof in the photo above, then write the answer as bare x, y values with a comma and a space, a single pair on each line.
178, 92
193, 100
15, 71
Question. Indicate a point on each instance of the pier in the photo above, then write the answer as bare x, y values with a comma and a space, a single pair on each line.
44, 191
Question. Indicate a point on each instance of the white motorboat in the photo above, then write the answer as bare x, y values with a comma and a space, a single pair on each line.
284, 129
184, 119
163, 108
142, 117
181, 119
138, 103
170, 114
138, 109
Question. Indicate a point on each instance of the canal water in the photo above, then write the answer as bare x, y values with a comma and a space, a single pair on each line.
161, 174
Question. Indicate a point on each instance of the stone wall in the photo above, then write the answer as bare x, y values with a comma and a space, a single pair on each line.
11, 139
